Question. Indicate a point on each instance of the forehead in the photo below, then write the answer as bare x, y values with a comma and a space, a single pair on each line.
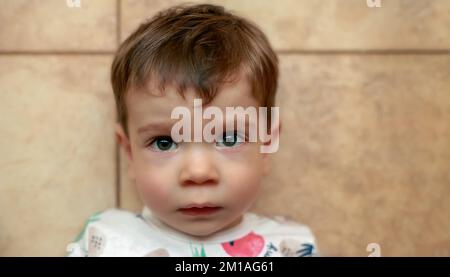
149, 105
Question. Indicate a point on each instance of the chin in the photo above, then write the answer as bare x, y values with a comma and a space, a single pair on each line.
201, 231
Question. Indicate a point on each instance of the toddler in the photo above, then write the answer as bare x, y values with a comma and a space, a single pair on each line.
197, 168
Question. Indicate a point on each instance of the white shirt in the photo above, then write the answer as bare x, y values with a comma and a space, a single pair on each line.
121, 233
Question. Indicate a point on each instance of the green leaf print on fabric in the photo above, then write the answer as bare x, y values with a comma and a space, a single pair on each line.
195, 251
92, 218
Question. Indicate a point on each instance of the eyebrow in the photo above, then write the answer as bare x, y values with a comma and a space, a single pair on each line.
247, 123
167, 126
155, 126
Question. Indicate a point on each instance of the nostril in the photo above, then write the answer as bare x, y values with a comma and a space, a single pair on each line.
205, 182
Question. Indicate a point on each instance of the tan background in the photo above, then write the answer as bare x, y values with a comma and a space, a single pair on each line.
364, 97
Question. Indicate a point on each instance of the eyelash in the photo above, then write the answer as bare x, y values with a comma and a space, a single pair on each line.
239, 140
153, 140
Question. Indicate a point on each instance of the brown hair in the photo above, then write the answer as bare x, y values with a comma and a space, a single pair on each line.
196, 46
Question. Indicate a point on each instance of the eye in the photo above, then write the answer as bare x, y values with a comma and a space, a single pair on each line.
231, 139
163, 144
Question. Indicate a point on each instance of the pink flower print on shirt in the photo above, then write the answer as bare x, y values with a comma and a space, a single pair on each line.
250, 245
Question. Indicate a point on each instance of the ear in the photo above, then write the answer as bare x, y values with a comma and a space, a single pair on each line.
274, 139
125, 146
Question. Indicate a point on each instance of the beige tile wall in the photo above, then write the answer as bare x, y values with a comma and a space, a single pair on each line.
365, 101
58, 154
57, 163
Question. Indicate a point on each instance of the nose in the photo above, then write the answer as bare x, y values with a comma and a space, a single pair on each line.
199, 167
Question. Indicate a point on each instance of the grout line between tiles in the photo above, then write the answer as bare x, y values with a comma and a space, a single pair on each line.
118, 168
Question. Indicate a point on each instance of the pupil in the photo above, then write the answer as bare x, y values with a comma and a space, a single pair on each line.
229, 140
164, 144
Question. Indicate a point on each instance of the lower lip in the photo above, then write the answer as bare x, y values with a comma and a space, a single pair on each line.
200, 211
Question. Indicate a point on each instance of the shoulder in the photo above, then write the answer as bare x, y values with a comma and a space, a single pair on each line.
280, 225
289, 237
111, 219
113, 216
107, 231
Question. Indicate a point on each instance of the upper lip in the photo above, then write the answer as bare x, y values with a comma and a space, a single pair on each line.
202, 205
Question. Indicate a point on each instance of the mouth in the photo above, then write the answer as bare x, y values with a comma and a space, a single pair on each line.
200, 209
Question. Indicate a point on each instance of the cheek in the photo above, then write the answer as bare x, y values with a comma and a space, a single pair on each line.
244, 179
154, 187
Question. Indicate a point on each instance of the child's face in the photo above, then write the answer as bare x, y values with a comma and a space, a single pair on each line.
170, 176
